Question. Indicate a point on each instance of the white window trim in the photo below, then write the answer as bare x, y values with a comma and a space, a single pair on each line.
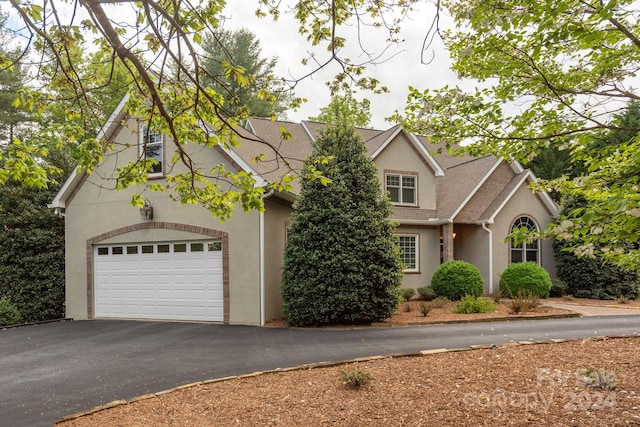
417, 242
401, 175
522, 247
142, 147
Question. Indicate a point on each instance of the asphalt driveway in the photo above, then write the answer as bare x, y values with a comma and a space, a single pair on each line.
52, 370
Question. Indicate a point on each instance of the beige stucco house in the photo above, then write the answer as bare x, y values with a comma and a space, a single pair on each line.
183, 264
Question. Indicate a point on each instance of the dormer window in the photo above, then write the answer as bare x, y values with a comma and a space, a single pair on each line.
402, 188
152, 147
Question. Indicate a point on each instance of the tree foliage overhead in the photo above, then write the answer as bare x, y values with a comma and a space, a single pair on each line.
159, 44
342, 263
589, 277
345, 110
263, 95
548, 73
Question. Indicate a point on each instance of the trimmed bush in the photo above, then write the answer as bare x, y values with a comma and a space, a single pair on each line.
407, 293
455, 279
9, 314
525, 277
427, 293
472, 304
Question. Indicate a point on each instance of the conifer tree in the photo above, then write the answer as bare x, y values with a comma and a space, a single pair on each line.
342, 262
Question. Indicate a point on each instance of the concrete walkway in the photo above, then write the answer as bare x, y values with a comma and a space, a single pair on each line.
594, 310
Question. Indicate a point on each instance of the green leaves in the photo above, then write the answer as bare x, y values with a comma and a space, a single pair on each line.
342, 262
547, 73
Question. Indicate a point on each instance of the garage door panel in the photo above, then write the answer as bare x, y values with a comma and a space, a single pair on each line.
154, 281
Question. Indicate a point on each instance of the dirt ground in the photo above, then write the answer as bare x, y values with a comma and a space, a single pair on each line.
510, 385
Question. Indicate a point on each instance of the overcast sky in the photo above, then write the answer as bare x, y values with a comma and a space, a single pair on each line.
281, 39
403, 69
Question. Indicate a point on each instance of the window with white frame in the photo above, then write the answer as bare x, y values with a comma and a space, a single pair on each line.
525, 251
402, 188
409, 251
152, 146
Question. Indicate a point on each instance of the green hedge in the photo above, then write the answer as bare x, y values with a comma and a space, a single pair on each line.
455, 279
527, 277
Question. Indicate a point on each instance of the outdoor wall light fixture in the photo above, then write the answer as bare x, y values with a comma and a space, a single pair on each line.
146, 212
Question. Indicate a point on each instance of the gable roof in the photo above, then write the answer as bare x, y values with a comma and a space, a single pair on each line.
468, 189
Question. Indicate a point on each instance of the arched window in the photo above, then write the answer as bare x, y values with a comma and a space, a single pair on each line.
526, 251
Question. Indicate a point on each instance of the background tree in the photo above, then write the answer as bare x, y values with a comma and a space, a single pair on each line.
548, 71
262, 95
32, 248
590, 277
342, 262
12, 79
151, 45
345, 110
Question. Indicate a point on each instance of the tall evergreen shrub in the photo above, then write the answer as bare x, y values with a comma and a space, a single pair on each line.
591, 278
31, 252
342, 262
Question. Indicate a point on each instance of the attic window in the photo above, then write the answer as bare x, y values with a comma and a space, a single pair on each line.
152, 147
402, 188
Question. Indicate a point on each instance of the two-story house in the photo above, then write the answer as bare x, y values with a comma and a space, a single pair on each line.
177, 262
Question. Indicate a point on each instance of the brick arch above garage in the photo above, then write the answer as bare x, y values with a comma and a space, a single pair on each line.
159, 225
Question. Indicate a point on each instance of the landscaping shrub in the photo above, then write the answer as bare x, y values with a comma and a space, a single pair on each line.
591, 278
524, 302
472, 304
455, 279
9, 314
424, 310
526, 277
355, 378
31, 252
342, 262
558, 288
427, 293
407, 293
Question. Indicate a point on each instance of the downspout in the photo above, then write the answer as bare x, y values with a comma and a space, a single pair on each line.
488, 230
262, 272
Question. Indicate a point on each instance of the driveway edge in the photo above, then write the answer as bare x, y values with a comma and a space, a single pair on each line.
422, 353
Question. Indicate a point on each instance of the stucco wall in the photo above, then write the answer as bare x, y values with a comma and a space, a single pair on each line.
429, 254
277, 218
96, 209
401, 156
523, 203
472, 245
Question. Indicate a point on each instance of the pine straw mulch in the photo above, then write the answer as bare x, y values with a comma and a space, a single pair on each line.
507, 385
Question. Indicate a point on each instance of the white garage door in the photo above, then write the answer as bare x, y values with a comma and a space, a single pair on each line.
173, 281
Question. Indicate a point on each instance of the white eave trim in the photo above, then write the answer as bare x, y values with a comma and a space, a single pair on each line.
303, 123
260, 181
59, 201
431, 221
386, 142
475, 190
417, 143
436, 167
546, 199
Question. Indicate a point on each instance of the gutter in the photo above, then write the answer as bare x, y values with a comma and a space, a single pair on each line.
488, 230
262, 267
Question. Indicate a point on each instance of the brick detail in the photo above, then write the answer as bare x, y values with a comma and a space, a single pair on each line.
223, 236
447, 242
